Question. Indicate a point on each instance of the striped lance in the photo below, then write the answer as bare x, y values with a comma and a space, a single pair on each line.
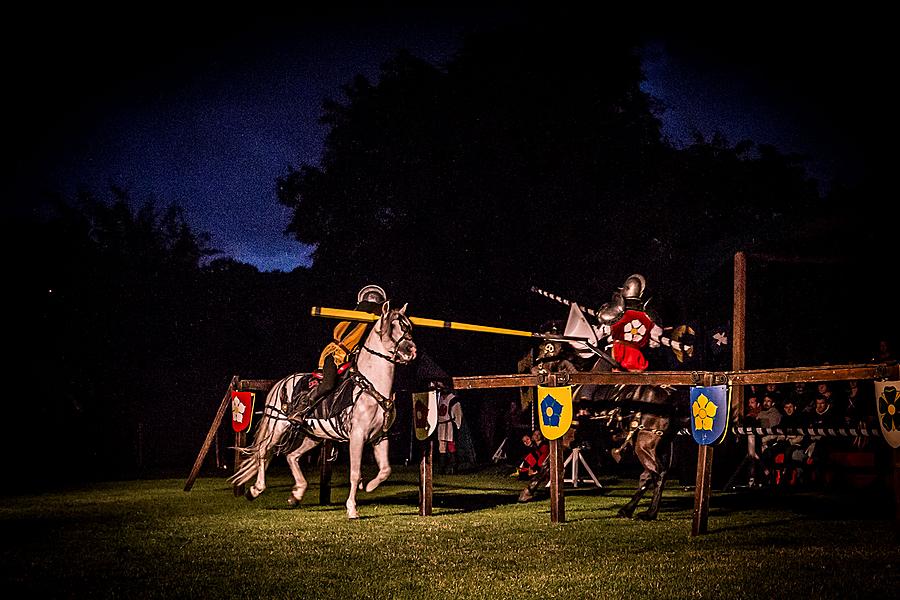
659, 339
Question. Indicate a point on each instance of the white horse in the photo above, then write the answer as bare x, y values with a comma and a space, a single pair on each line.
367, 414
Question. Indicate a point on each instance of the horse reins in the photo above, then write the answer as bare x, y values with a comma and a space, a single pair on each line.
406, 327
366, 386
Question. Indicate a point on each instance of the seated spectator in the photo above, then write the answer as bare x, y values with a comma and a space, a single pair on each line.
822, 417
792, 446
768, 417
859, 406
827, 390
751, 415
539, 451
774, 390
802, 397
884, 353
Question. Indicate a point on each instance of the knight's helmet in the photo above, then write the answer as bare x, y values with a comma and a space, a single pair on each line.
633, 288
371, 293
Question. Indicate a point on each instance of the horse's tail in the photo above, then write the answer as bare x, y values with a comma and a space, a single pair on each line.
268, 433
246, 472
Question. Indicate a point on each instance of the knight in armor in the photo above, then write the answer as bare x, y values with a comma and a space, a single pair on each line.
346, 338
631, 328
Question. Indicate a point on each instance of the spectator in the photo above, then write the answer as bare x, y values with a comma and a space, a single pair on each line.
769, 417
773, 390
449, 421
884, 353
751, 416
802, 397
822, 417
793, 446
826, 390
538, 450
859, 405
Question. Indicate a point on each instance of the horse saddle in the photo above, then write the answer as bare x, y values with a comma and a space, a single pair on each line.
305, 404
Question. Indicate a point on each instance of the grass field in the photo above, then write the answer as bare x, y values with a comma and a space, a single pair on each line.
148, 538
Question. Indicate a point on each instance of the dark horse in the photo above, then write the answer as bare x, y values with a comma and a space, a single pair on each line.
640, 417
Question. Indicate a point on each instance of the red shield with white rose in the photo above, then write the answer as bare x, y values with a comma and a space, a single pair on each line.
634, 327
425, 414
241, 410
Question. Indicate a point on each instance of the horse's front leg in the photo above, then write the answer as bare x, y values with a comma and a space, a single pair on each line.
300, 483
663, 463
357, 438
647, 481
381, 459
645, 444
653, 510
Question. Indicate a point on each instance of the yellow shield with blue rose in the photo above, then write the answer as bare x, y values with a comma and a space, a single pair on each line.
709, 413
554, 410
887, 405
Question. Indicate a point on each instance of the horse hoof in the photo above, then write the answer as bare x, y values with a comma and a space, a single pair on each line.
646, 516
625, 513
353, 515
293, 502
249, 495
525, 496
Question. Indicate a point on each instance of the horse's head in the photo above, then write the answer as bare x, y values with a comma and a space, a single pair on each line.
394, 330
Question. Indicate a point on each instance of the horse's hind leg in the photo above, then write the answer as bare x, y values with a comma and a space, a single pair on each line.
300, 483
384, 467
259, 486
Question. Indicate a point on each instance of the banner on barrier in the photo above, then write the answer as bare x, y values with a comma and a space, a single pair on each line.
241, 410
709, 413
425, 413
555, 408
888, 407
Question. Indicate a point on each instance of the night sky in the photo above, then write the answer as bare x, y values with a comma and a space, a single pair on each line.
208, 110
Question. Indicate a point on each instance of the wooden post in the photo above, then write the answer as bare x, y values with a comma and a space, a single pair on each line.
240, 440
557, 499
702, 490
426, 483
703, 483
226, 400
738, 333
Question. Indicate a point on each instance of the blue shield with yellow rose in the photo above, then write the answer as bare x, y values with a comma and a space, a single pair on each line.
709, 413
887, 405
555, 410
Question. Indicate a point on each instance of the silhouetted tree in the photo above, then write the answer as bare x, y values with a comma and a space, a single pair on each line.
533, 157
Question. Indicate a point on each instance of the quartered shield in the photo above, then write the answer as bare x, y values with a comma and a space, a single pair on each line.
241, 410
577, 326
709, 413
888, 411
555, 409
425, 413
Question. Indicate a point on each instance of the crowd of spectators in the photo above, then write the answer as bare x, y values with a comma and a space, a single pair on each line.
799, 458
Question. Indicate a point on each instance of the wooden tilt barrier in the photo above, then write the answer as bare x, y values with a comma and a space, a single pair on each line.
736, 378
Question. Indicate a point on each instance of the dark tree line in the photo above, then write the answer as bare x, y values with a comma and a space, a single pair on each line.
529, 159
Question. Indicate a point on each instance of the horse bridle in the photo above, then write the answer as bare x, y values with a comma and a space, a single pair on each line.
406, 328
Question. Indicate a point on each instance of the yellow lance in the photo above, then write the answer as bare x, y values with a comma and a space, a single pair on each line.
355, 315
